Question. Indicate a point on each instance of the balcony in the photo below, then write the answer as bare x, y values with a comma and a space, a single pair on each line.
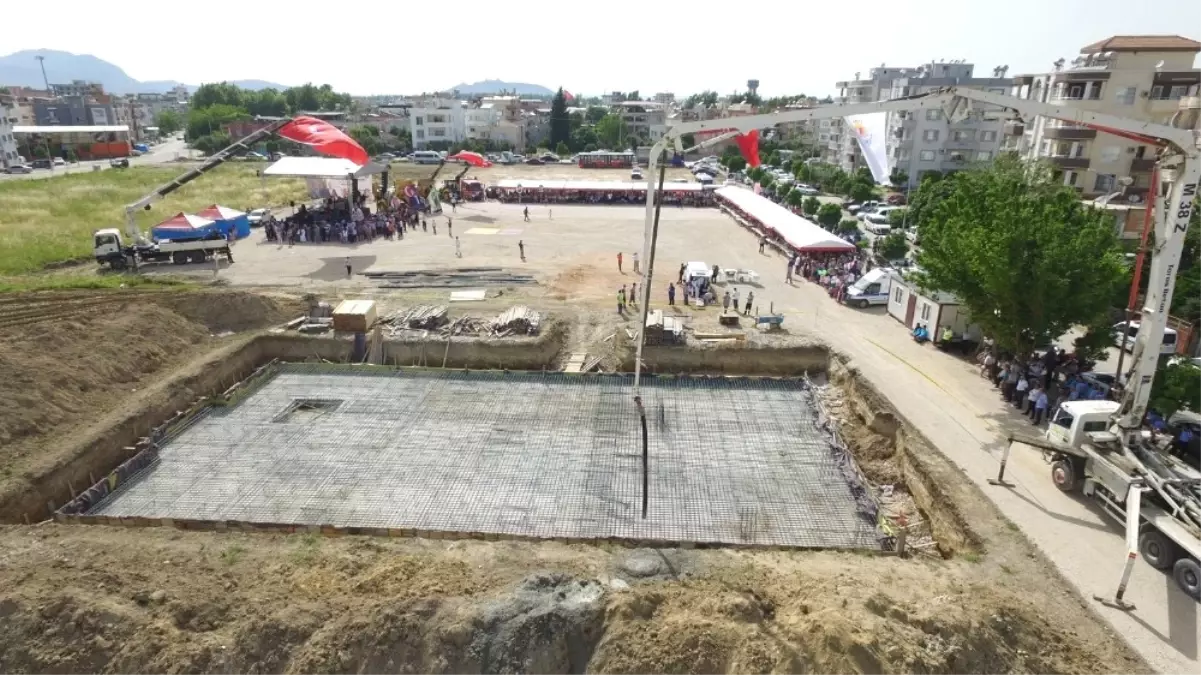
1140, 165
1069, 133
1065, 162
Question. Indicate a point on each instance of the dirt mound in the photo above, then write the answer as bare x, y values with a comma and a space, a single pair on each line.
232, 310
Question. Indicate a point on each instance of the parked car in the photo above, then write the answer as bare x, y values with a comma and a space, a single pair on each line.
119, 163
879, 229
258, 216
636, 174
880, 215
19, 168
42, 164
549, 158
59, 161
534, 161
808, 190
1123, 337
896, 199
864, 208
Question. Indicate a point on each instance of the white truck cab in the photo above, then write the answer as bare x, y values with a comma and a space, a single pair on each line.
1073, 420
107, 245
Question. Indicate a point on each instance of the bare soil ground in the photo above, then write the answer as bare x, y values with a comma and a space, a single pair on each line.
975, 596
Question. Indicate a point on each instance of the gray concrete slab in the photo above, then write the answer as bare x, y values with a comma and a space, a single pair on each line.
735, 461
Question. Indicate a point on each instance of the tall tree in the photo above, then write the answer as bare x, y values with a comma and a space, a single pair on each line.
1024, 256
595, 113
611, 131
560, 122
168, 121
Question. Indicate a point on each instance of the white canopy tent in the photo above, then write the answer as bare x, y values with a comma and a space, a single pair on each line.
326, 176
800, 234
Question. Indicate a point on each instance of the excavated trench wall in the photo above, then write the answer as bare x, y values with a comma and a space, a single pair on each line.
103, 450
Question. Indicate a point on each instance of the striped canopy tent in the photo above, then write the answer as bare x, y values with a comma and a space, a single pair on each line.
227, 220
184, 226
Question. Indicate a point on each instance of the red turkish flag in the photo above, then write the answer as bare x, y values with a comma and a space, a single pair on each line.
324, 138
748, 145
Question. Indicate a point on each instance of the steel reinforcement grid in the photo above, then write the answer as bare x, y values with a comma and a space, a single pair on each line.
732, 460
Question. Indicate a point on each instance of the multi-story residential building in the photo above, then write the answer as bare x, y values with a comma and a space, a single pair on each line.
644, 119
8, 142
437, 121
73, 111
665, 97
1135, 76
480, 122
842, 149
77, 88
924, 142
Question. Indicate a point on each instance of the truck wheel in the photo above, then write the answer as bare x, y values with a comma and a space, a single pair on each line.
862, 304
1063, 474
1187, 574
1156, 549
179, 257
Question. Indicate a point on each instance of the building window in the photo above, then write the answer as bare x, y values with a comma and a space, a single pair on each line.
925, 311
420, 133
1178, 93
1106, 182
926, 155
1110, 153
930, 135
963, 135
1159, 93
1126, 95
1070, 178
896, 295
983, 155
933, 114
420, 121
988, 136
957, 157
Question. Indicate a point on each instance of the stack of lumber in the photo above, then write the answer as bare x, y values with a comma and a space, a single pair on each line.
423, 317
519, 320
464, 325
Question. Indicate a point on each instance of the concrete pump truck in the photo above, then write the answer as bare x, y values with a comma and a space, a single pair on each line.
1118, 462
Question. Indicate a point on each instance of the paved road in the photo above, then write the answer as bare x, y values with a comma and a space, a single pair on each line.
162, 153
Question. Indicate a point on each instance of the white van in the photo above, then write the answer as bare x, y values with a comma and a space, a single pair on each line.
425, 157
1123, 337
872, 288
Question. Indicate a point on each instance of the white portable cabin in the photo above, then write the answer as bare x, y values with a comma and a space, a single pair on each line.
935, 311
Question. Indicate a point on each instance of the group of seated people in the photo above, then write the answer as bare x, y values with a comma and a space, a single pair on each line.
539, 196
321, 225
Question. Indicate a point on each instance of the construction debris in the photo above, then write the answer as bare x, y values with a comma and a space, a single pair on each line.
421, 317
462, 277
519, 320
465, 325
663, 330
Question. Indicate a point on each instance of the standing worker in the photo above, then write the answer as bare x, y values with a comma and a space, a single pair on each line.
619, 261
450, 227
725, 301
348, 268
635, 256
671, 295
526, 214
621, 300
521, 249
458, 250
735, 299
634, 294
680, 279
750, 297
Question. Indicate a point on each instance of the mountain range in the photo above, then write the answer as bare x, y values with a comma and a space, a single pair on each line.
21, 69
498, 86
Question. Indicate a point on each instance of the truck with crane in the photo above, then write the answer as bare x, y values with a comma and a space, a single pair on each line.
136, 248
1104, 451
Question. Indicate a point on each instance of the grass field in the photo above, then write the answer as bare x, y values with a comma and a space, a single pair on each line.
51, 220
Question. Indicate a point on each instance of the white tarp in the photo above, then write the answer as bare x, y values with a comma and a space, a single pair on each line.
312, 167
872, 133
800, 234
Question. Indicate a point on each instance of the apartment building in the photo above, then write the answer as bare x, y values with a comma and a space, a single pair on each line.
923, 142
73, 111
841, 148
437, 120
77, 88
8, 142
1134, 76
644, 119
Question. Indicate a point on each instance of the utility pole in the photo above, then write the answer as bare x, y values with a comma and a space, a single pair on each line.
42, 63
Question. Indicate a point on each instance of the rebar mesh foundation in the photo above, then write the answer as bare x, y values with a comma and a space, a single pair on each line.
734, 461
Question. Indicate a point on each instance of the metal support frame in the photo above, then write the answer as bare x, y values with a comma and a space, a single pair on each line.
1133, 506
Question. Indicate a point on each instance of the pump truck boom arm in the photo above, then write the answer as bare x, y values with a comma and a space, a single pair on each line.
1179, 165
225, 154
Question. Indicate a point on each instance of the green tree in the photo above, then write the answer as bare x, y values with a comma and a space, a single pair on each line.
583, 137
898, 177
560, 121
688, 140
861, 192
221, 93
169, 122
1020, 251
368, 137
210, 120
736, 164
1175, 387
266, 103
562, 149
794, 198
932, 191
595, 113
847, 226
803, 172
811, 205
212, 143
894, 246
829, 215
611, 132
773, 158
898, 218
766, 180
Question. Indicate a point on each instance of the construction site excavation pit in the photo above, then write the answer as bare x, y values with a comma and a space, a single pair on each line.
492, 454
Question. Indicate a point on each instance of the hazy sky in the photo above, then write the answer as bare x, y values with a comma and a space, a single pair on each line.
587, 47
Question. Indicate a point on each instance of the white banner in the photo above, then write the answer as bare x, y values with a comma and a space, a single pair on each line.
872, 133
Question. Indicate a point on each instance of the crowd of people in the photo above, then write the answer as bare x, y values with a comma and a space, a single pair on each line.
835, 272
1036, 385
331, 223
534, 195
